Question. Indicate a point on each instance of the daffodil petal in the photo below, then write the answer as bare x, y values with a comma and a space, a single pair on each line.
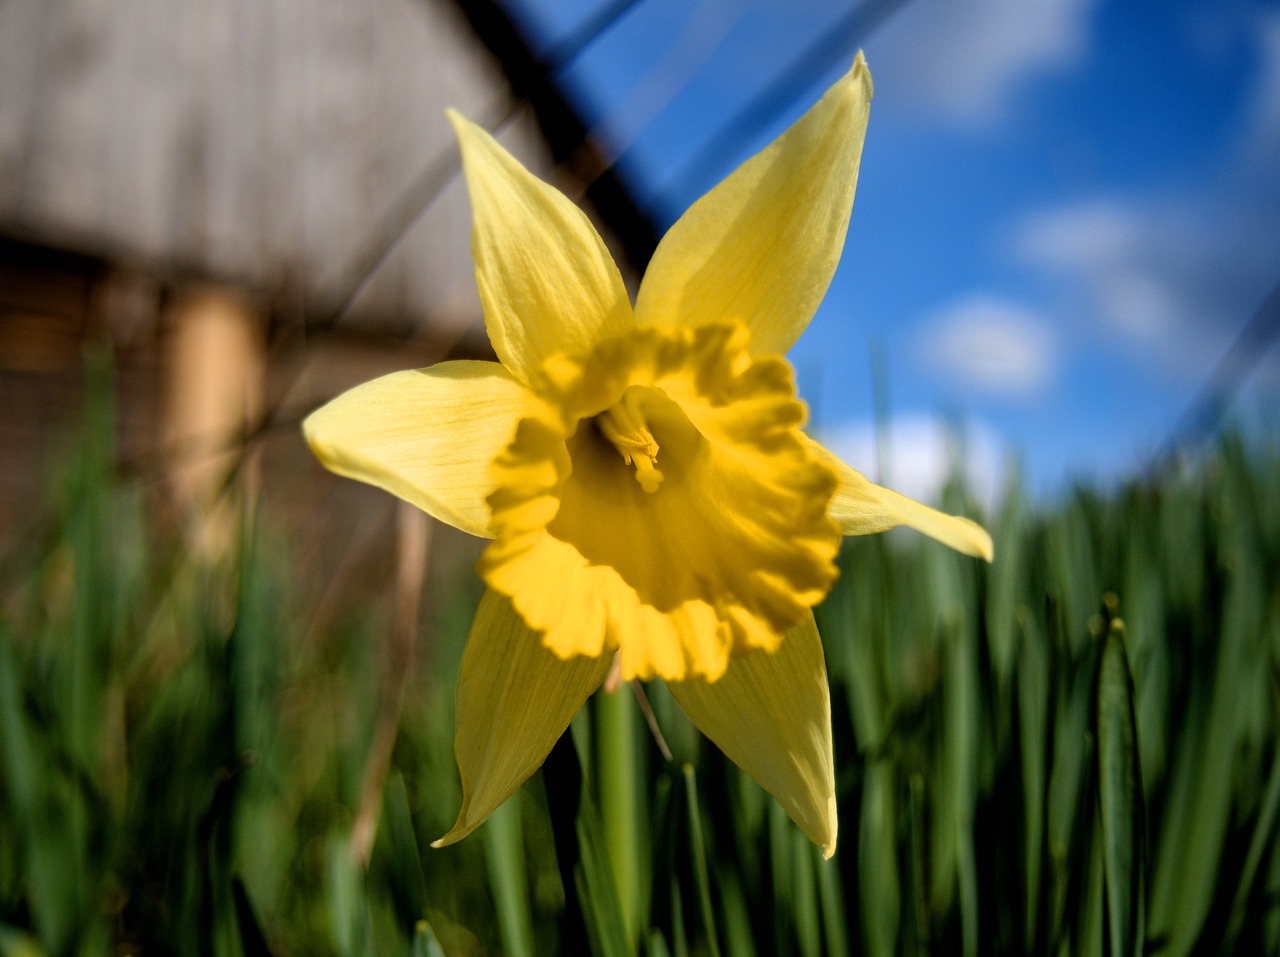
729, 546
426, 435
861, 507
547, 282
771, 715
515, 698
761, 247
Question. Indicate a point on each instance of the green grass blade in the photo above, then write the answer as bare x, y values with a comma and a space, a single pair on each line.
348, 926
1088, 934
253, 942
48, 829
1261, 844
658, 944
580, 845
835, 924
1034, 704
425, 942
1196, 826
878, 865
698, 861
1120, 801
804, 896
735, 916
1067, 815
399, 844
504, 852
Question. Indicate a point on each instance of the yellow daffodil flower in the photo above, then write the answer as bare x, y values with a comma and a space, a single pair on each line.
642, 472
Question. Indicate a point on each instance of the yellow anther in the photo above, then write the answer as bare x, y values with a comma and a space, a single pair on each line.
647, 475
625, 426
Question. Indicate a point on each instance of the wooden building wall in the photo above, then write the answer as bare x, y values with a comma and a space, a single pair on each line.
261, 142
157, 156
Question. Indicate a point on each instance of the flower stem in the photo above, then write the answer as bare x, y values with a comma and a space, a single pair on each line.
616, 742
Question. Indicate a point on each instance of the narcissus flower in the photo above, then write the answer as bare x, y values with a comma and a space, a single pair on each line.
642, 472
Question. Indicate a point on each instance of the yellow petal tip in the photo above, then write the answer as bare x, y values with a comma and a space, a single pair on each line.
461, 828
862, 73
459, 122
828, 846
979, 544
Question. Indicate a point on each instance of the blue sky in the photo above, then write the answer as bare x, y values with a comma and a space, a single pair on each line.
1067, 209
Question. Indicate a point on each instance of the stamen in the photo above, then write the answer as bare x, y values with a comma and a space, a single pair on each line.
624, 425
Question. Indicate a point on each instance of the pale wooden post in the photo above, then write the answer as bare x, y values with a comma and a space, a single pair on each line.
214, 397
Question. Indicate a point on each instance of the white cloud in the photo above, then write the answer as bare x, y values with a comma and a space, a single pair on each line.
1169, 277
1262, 130
989, 345
1106, 244
963, 60
923, 452
1174, 275
1097, 231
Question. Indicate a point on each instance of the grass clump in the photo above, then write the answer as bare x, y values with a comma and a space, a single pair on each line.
1074, 750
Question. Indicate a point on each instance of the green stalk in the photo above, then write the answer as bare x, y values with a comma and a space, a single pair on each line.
504, 852
617, 768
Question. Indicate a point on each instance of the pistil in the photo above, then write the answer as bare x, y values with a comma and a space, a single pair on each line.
626, 427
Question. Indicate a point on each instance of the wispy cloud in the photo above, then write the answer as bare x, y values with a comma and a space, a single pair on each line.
1262, 130
991, 346
1173, 273
1169, 278
1111, 246
962, 62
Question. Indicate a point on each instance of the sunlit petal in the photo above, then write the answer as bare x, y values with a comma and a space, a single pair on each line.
653, 502
515, 698
771, 715
664, 504
546, 281
761, 247
427, 435
861, 507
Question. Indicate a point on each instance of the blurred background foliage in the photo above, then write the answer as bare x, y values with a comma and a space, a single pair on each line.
1071, 751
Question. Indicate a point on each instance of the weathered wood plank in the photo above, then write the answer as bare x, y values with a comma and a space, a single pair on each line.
258, 141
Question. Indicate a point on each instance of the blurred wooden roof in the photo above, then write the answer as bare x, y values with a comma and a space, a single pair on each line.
268, 142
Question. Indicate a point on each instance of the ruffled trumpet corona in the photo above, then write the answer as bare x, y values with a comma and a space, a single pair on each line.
642, 472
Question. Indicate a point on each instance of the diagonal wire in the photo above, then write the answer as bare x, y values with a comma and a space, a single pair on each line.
536, 78
1204, 415
440, 169
587, 33
828, 50
666, 76
400, 215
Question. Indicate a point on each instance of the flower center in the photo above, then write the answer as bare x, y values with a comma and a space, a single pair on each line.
627, 427
733, 549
